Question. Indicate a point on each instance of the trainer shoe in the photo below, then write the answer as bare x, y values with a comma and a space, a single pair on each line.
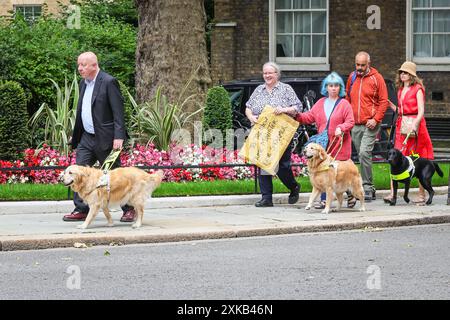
369, 195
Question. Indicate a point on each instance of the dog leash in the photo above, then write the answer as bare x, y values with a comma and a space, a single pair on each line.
405, 142
341, 136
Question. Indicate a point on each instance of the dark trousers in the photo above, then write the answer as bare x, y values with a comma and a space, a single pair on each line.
284, 173
88, 154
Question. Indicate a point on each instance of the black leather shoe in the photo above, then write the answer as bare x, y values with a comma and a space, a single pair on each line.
264, 203
294, 195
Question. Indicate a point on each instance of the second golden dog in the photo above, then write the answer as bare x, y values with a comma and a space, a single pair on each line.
331, 177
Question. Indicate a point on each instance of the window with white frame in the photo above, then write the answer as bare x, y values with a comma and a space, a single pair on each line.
300, 31
430, 36
29, 12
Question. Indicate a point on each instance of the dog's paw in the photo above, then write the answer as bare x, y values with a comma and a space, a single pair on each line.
335, 210
326, 211
308, 208
135, 225
109, 224
362, 209
406, 199
392, 203
82, 226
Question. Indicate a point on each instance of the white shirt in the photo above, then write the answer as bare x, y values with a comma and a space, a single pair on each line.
86, 107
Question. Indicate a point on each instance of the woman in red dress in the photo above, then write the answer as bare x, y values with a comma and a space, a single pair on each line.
411, 102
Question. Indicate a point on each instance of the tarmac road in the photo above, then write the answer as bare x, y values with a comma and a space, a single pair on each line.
39, 225
393, 263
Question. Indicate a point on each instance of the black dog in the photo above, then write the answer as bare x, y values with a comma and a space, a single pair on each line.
404, 169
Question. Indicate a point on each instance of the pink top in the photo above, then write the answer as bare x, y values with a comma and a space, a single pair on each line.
341, 117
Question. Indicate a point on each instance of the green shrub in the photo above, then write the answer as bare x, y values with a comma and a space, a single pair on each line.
14, 132
217, 113
122, 10
48, 49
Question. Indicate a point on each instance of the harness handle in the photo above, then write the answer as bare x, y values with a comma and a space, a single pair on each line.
109, 161
329, 150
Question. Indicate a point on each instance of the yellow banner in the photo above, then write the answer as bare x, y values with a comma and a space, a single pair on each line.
268, 140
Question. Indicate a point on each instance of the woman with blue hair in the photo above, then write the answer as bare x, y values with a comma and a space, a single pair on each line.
336, 110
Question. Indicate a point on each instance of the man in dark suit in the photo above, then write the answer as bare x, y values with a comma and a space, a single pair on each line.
99, 125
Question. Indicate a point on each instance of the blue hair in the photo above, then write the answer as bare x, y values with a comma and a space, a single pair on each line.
333, 78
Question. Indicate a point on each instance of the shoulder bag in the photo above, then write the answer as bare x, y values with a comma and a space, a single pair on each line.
322, 138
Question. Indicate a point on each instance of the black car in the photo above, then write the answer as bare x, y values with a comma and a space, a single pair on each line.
308, 91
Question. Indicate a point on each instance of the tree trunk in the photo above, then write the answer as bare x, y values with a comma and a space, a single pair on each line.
171, 50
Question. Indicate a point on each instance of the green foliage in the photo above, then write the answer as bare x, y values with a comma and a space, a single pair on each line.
128, 107
14, 132
60, 120
48, 49
121, 10
157, 120
218, 114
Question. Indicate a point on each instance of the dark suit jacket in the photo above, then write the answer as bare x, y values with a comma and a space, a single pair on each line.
107, 112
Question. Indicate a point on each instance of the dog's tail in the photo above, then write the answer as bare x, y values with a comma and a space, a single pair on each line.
438, 170
159, 173
154, 180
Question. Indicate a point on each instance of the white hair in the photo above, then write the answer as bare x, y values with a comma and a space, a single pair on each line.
274, 66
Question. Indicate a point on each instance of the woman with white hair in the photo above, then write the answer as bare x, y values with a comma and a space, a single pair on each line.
282, 97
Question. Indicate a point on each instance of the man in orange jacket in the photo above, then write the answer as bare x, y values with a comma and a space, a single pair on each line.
367, 93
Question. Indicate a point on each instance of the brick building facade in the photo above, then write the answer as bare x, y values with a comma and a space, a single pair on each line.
7, 6
245, 34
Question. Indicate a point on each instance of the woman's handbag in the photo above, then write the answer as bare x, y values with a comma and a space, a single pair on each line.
405, 125
322, 138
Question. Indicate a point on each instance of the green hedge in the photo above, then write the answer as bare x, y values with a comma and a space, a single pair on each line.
217, 113
14, 132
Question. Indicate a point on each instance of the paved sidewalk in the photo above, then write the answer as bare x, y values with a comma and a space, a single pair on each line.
39, 225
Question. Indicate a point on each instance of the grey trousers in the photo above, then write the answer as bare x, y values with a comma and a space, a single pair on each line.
364, 141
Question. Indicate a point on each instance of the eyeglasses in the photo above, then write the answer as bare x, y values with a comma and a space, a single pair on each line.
267, 73
404, 72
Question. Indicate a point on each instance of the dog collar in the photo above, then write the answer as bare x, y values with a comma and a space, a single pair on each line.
408, 173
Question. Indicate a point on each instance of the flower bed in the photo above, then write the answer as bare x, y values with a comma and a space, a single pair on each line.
141, 156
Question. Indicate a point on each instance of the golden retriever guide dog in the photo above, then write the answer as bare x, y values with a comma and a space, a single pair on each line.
331, 176
127, 185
